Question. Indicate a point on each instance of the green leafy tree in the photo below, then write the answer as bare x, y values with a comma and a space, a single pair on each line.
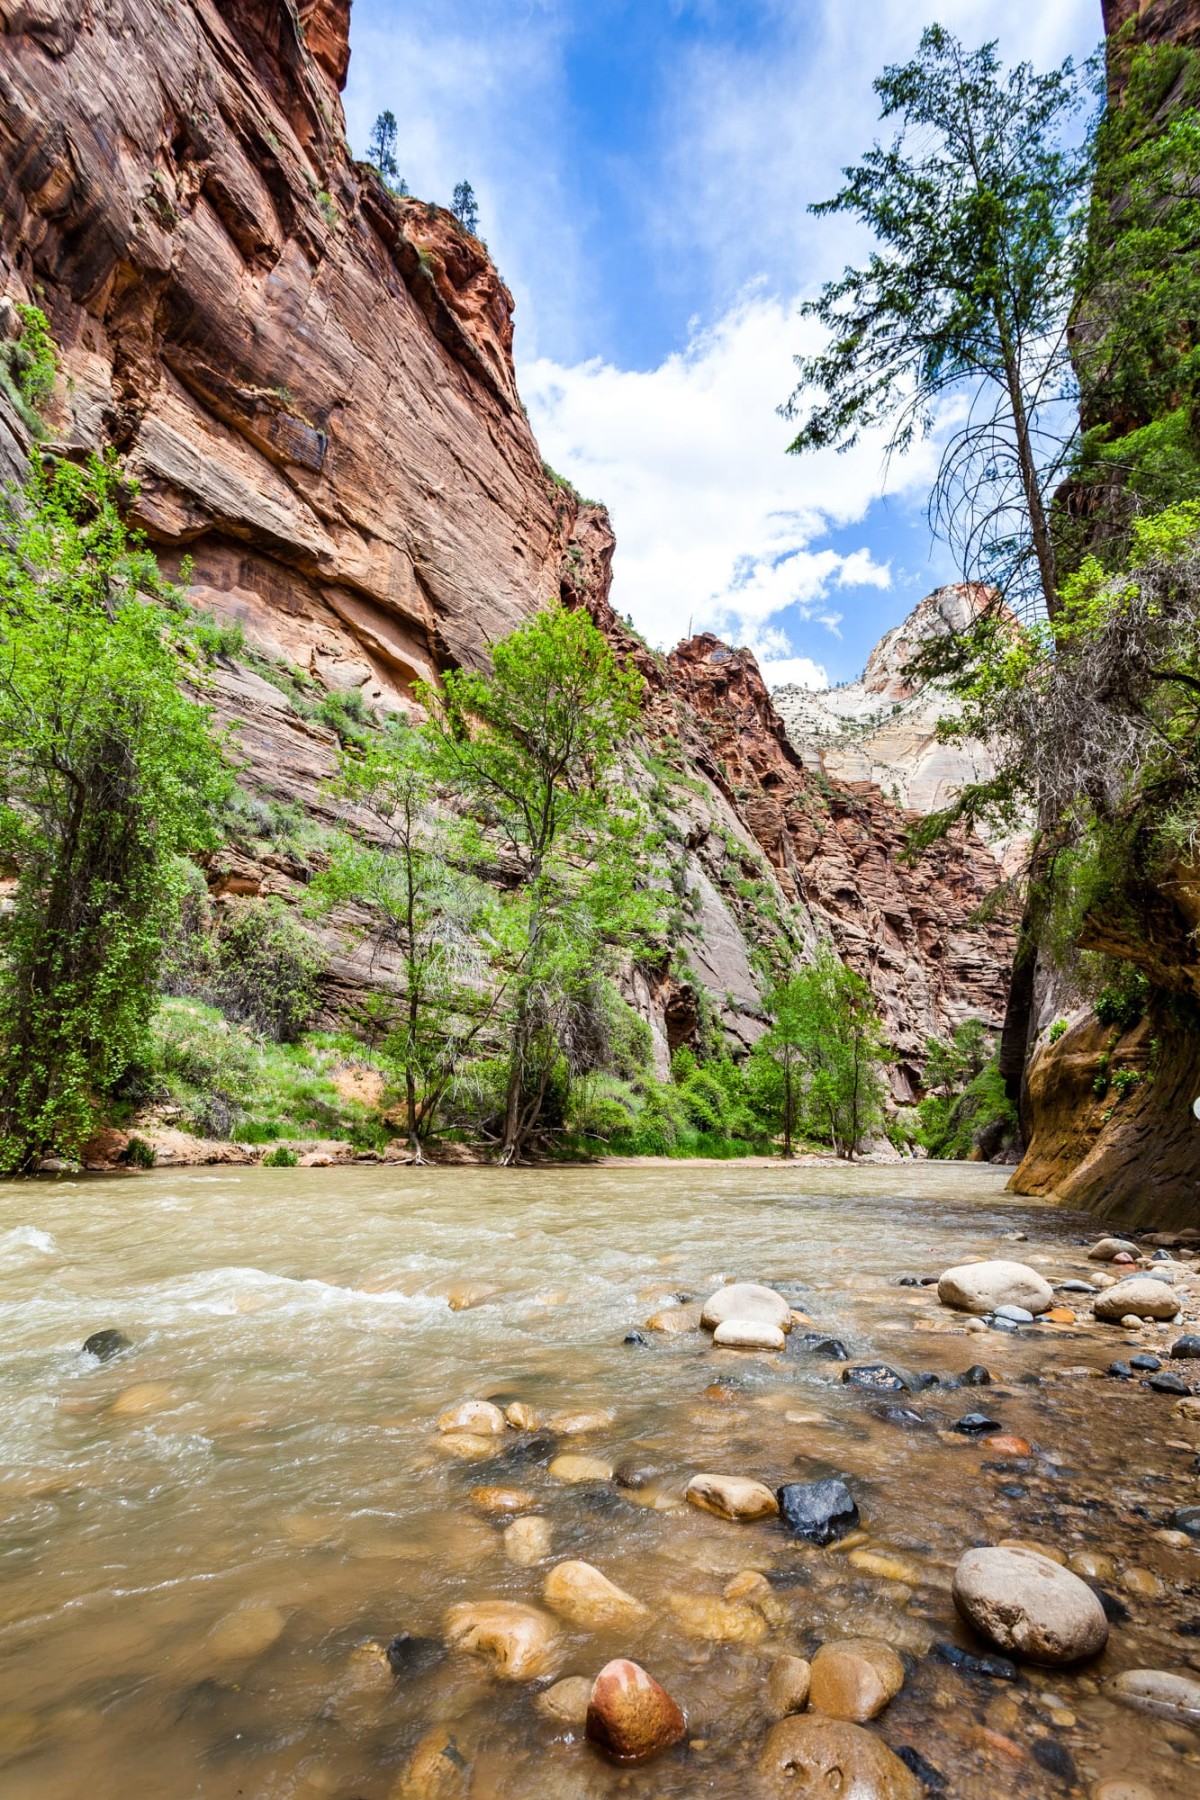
465, 209
531, 748
108, 772
976, 212
783, 1046
837, 1047
424, 910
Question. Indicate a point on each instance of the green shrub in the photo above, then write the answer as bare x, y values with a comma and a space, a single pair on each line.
1058, 1030
257, 964
138, 1154
1123, 1001
346, 712
280, 1158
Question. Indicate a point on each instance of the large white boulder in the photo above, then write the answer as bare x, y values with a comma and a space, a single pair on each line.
980, 1287
747, 1301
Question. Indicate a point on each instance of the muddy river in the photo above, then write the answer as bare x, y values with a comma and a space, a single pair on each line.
209, 1540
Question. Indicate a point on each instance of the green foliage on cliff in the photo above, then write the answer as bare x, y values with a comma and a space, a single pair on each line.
28, 366
1136, 348
108, 774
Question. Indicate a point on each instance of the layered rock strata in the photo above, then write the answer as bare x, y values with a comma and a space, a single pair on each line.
311, 382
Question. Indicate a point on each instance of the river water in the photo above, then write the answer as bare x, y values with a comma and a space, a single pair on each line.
206, 1540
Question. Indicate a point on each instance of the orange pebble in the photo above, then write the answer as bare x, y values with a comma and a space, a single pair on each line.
1060, 1315
1007, 1446
995, 1740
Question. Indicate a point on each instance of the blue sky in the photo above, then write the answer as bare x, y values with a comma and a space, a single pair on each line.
643, 169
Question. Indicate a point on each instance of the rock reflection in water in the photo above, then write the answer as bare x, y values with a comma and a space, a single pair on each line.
241, 1557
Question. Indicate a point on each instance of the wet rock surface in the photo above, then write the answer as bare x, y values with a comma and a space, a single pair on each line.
630, 1715
1025, 1603
335, 1646
809, 1757
821, 1511
981, 1287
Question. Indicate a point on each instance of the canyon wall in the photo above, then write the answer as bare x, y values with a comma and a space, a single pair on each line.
1109, 1106
311, 382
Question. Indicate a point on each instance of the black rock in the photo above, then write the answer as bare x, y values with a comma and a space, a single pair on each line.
976, 1376
635, 1475
930, 1280
820, 1511
1013, 1490
410, 1655
682, 1298
928, 1379
898, 1415
926, 1774
1166, 1383
1186, 1346
908, 1281
1120, 1371
104, 1344
1161, 1255
635, 1337
1187, 1518
1145, 1365
529, 1447
831, 1348
976, 1425
1054, 1757
1115, 1611
1189, 1628
996, 1668
877, 1376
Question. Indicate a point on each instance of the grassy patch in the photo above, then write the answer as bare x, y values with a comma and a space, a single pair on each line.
228, 1082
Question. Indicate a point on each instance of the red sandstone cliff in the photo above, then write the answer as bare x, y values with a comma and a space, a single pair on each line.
312, 382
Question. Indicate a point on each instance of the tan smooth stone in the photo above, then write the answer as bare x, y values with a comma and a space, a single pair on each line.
576, 1424
247, 1632
1164, 1692
465, 1446
438, 1770
521, 1417
1116, 1787
747, 1334
580, 1468
747, 1584
147, 1396
888, 1568
854, 1679
528, 1541
1093, 1565
585, 1596
788, 1685
566, 1703
811, 1757
520, 1642
468, 1294
479, 1417
732, 1496
717, 1621
1142, 1582
500, 1500
675, 1320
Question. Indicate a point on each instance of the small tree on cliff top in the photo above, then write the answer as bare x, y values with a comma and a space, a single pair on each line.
532, 748
976, 211
465, 209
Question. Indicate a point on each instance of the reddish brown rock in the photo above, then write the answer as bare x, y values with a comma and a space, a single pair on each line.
629, 1715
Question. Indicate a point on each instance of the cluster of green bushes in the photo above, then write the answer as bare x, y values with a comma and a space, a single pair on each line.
966, 1107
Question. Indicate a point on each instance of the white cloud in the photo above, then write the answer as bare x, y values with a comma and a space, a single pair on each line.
793, 671
715, 522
